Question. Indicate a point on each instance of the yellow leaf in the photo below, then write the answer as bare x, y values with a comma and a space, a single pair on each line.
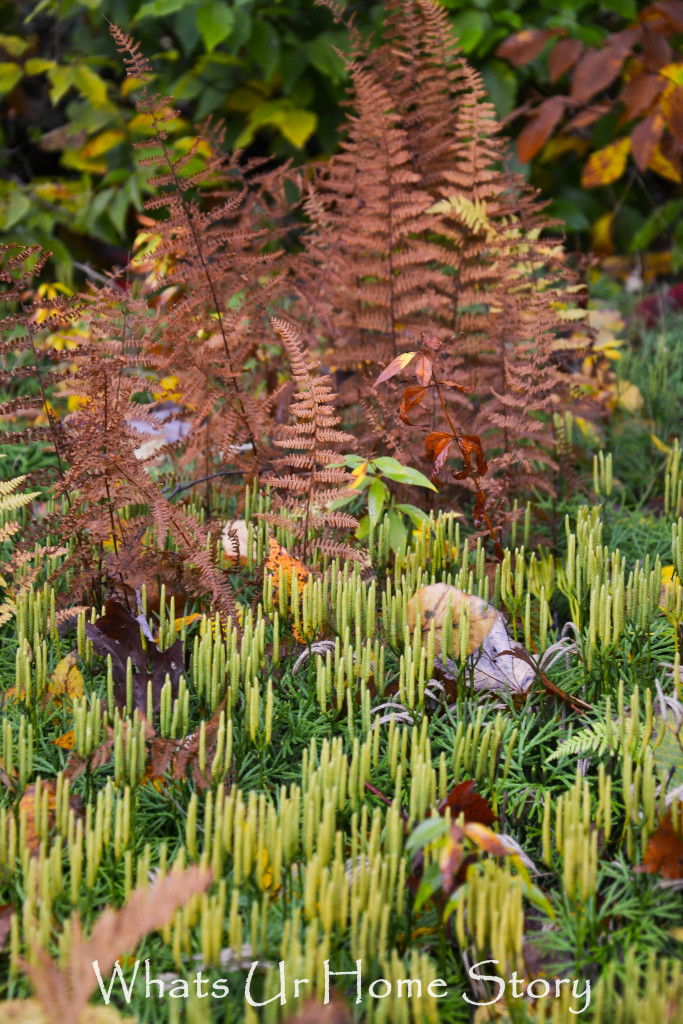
606, 165
66, 679
359, 474
67, 741
101, 144
627, 397
601, 234
662, 165
674, 72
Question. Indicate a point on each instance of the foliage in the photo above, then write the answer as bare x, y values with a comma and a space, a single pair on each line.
69, 122
419, 749
619, 105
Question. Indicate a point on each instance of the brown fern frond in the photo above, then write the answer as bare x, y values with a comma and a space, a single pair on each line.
302, 502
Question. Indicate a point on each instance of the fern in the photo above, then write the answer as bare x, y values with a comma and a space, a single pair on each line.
11, 501
313, 482
595, 739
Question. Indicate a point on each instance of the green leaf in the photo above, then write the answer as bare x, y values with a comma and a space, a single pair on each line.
321, 53
297, 126
264, 46
660, 219
377, 497
429, 884
626, 8
501, 85
470, 27
428, 831
415, 514
402, 474
91, 85
9, 76
62, 79
159, 8
13, 208
215, 21
398, 533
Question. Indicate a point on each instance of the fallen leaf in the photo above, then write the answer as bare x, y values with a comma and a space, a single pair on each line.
279, 557
117, 633
234, 540
664, 854
66, 679
431, 603
463, 800
27, 806
67, 741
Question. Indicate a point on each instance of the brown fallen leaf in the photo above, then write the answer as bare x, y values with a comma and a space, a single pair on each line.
27, 805
117, 633
664, 854
463, 800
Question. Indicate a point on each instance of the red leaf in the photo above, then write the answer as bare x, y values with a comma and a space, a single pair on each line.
664, 854
437, 446
657, 52
463, 800
423, 369
395, 366
471, 443
524, 46
467, 388
644, 139
535, 134
563, 56
671, 11
639, 93
411, 397
587, 116
117, 633
479, 514
597, 69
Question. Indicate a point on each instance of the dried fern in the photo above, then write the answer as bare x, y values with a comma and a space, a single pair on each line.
11, 501
313, 482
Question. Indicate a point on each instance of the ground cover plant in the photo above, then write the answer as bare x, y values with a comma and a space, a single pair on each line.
341, 606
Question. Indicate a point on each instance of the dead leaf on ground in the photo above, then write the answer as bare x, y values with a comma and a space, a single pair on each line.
463, 800
118, 633
664, 854
431, 604
27, 804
